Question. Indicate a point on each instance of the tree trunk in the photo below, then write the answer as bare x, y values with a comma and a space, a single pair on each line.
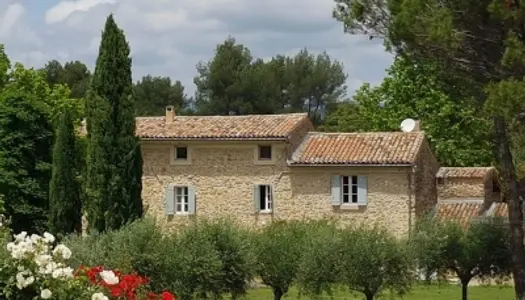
369, 296
514, 206
464, 291
277, 294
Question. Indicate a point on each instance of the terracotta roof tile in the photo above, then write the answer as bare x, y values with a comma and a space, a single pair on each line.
475, 172
383, 148
460, 212
500, 210
278, 126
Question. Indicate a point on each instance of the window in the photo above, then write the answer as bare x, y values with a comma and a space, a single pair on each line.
181, 153
440, 181
350, 188
265, 152
264, 197
181, 199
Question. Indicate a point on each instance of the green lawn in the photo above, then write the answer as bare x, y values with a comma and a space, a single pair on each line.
442, 292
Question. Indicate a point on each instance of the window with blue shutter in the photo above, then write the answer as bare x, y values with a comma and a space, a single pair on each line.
256, 201
169, 200
191, 200
336, 191
362, 190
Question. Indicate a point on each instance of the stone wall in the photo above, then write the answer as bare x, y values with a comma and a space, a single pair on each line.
388, 197
454, 188
223, 176
424, 181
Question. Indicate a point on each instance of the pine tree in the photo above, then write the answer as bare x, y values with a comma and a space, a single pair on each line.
114, 163
65, 207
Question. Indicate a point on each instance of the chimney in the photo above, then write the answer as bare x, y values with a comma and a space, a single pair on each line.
418, 126
170, 113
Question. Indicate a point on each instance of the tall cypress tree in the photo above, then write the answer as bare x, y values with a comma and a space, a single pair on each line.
65, 207
114, 163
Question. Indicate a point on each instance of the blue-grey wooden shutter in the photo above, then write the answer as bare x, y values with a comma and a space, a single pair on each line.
336, 190
256, 200
169, 200
362, 190
191, 200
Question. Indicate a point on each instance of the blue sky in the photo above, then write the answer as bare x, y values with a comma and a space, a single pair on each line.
169, 37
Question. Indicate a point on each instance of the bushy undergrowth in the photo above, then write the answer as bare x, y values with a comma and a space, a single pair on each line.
213, 259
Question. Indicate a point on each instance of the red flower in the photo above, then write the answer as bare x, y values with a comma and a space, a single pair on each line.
167, 296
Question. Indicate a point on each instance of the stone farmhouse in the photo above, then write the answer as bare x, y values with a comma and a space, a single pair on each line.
257, 168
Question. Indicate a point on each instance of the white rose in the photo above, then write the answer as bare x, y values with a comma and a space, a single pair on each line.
99, 296
49, 238
109, 277
46, 294
63, 251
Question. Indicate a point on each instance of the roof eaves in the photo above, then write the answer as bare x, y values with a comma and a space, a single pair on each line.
149, 138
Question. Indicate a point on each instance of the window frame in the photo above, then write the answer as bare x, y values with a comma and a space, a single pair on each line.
352, 182
265, 161
180, 161
259, 152
265, 205
185, 202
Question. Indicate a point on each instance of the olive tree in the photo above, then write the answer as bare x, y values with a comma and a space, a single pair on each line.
364, 260
277, 251
481, 250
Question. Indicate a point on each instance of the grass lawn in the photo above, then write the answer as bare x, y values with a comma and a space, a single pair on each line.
435, 292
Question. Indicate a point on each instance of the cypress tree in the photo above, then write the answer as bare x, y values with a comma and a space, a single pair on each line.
114, 163
65, 207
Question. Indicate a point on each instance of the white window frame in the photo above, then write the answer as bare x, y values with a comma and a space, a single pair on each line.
181, 199
268, 201
180, 161
351, 196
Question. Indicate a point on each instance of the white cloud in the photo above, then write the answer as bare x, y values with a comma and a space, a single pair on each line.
64, 9
9, 18
168, 38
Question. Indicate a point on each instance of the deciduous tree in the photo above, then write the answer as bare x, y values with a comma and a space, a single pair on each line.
457, 128
26, 140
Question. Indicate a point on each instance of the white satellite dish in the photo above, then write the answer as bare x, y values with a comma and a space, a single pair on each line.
408, 125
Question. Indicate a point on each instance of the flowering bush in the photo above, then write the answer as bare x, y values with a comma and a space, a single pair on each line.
35, 269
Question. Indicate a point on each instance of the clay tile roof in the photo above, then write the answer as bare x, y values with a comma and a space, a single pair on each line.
460, 212
475, 172
500, 210
379, 148
244, 127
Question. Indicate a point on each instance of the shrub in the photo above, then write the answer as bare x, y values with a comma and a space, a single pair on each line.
140, 246
37, 269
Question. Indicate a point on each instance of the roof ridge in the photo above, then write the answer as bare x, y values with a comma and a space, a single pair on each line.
364, 132
227, 116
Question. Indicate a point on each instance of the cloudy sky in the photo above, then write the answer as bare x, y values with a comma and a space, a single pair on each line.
169, 37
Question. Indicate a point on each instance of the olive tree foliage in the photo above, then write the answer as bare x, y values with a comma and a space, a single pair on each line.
364, 260
277, 250
479, 249
233, 249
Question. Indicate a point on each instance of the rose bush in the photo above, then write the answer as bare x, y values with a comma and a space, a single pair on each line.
36, 269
